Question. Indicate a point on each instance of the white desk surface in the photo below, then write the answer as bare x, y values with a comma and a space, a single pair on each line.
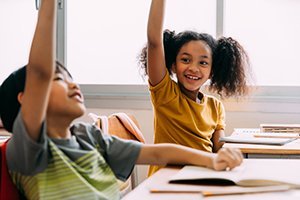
161, 177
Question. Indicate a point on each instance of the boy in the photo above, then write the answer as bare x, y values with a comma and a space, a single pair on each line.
48, 159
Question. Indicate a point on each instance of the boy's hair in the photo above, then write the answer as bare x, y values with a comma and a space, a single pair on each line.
229, 60
9, 90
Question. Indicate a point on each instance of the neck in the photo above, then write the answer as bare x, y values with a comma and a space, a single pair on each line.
193, 95
58, 128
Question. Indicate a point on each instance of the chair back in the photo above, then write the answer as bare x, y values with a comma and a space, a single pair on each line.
8, 190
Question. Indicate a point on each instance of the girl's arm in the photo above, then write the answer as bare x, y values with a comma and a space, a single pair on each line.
162, 154
215, 140
156, 60
40, 70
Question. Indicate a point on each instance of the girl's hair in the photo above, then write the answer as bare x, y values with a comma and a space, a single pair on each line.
229, 60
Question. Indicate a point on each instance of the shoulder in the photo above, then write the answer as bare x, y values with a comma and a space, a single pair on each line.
85, 131
212, 100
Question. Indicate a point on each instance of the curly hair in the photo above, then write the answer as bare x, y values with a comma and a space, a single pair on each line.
229, 60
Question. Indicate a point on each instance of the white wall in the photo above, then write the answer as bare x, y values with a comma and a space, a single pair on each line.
239, 114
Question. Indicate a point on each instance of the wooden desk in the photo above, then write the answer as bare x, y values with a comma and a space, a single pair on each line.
161, 177
288, 151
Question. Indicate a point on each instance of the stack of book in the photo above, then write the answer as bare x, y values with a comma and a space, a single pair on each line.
280, 128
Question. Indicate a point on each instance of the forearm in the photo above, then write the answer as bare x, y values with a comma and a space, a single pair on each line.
155, 22
42, 53
40, 69
215, 140
155, 52
162, 154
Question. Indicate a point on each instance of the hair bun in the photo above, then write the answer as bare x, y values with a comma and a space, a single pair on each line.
168, 35
227, 41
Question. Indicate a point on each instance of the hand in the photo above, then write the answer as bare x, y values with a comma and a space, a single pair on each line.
227, 159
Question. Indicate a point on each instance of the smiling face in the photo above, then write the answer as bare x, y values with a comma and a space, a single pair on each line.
66, 99
193, 67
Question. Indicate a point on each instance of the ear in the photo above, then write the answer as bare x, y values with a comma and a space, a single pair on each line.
173, 68
20, 97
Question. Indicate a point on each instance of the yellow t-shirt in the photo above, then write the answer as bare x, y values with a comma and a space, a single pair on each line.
180, 120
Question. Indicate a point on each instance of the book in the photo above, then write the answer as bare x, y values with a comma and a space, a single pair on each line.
252, 173
256, 140
229, 190
276, 135
283, 128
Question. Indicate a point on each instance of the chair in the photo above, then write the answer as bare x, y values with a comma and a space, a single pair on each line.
8, 190
124, 126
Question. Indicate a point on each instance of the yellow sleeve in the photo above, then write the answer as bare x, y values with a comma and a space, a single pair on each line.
221, 117
164, 91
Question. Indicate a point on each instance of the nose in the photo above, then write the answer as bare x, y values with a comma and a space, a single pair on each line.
194, 67
73, 85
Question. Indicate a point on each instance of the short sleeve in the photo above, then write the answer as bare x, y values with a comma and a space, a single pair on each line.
221, 117
26, 155
164, 91
120, 154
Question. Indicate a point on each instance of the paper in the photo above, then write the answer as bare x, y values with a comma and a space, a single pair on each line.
253, 172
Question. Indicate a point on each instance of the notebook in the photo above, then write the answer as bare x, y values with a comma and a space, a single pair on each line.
252, 172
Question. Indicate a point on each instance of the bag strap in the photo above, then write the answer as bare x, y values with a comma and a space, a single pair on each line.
130, 126
101, 121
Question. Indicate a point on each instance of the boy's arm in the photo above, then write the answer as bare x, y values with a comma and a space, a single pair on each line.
156, 59
40, 70
162, 154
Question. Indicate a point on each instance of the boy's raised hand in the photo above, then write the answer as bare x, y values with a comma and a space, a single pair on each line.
226, 159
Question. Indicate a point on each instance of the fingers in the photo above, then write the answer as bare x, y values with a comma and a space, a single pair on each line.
228, 158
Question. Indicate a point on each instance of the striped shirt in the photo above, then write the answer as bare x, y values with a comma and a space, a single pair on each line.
83, 167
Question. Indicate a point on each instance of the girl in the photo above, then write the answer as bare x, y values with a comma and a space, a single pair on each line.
182, 114
49, 158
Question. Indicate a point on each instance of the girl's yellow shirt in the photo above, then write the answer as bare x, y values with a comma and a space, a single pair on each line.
180, 120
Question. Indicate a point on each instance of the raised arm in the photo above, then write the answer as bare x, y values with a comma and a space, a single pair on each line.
156, 61
40, 69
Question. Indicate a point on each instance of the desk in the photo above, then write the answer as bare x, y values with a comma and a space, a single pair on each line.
288, 151
161, 177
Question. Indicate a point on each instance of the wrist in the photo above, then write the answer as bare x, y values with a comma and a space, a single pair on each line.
210, 160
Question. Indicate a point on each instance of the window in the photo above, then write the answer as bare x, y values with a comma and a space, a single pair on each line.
104, 38
269, 30
17, 22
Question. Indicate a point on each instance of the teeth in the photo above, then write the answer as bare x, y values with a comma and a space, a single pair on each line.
193, 77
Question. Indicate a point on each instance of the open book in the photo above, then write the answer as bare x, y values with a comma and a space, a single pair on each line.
253, 172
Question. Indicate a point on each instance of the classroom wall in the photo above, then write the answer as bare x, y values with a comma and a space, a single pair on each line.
239, 114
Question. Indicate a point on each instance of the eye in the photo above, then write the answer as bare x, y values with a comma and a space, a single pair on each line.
185, 60
58, 77
203, 63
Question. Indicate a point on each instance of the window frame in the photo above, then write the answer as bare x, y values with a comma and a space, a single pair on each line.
137, 96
